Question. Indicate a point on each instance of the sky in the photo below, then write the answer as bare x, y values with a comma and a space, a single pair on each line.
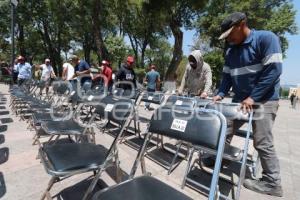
291, 64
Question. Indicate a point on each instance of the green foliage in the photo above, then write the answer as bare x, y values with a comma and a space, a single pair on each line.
140, 73
216, 61
159, 53
284, 92
274, 15
116, 47
58, 28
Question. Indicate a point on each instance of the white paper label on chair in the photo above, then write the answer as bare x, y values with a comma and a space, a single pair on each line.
179, 125
72, 93
109, 107
150, 98
90, 98
178, 103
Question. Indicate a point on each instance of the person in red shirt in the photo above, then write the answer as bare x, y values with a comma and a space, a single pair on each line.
105, 75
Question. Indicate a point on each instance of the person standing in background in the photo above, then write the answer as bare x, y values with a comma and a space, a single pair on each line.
47, 74
126, 73
68, 72
82, 72
105, 74
197, 78
24, 70
152, 80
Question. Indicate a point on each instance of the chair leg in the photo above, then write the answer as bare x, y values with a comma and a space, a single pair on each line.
187, 168
174, 158
92, 185
118, 169
143, 165
47, 192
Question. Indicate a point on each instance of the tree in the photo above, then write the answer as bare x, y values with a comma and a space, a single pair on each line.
274, 15
4, 30
160, 54
178, 14
142, 24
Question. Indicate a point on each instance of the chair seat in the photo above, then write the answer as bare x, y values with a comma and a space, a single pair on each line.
38, 105
4, 112
38, 117
67, 127
141, 188
64, 157
232, 153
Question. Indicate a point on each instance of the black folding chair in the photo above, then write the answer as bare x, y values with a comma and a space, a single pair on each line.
205, 128
156, 98
231, 112
153, 97
65, 160
179, 103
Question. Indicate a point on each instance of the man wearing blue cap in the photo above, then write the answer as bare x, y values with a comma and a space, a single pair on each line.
253, 65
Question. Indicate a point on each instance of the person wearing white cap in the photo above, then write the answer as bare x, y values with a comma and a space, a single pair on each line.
47, 74
24, 70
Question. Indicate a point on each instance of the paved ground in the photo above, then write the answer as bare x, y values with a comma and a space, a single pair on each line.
23, 177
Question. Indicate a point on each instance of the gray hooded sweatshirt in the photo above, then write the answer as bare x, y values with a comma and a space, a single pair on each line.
199, 80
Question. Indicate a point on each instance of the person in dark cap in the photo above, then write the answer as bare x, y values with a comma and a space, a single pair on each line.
253, 65
82, 72
127, 74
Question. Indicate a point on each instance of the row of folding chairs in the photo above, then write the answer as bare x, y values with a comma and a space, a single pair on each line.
65, 160
231, 112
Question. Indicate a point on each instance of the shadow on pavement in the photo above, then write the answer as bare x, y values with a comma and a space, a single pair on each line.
3, 128
2, 185
6, 120
2, 139
77, 191
4, 153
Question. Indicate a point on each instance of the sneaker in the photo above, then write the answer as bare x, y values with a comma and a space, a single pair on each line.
263, 187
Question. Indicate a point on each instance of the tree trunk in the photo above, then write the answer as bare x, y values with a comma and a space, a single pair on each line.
51, 51
145, 44
87, 48
97, 31
21, 41
177, 52
135, 48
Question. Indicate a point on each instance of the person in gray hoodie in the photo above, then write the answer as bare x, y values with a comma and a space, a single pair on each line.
197, 78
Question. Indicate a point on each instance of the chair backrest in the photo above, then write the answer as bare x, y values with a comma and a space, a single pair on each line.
61, 87
180, 103
231, 111
199, 127
118, 92
131, 94
202, 103
153, 97
117, 110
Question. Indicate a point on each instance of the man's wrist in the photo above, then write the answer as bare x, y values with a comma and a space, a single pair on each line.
221, 94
